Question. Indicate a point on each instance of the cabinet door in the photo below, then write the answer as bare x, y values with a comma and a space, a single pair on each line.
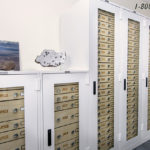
18, 112
65, 101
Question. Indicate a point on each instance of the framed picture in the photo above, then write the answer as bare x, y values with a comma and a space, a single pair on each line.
9, 56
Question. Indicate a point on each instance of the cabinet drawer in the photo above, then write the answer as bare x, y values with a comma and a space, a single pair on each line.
106, 124
11, 125
105, 145
105, 137
106, 39
106, 105
106, 59
132, 88
11, 94
66, 89
105, 32
66, 133
105, 72
108, 118
133, 26
133, 38
132, 55
106, 46
132, 110
133, 43
132, 72
105, 86
133, 49
132, 94
11, 135
105, 79
66, 97
66, 117
132, 61
104, 52
132, 66
13, 145
105, 92
102, 17
105, 99
132, 132
132, 77
105, 25
105, 111
132, 105
11, 110
105, 66
105, 131
133, 32
72, 144
66, 105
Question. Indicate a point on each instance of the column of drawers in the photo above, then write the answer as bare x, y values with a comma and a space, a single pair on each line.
66, 116
132, 78
105, 80
148, 121
12, 119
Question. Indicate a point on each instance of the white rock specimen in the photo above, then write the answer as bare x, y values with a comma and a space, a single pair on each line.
50, 58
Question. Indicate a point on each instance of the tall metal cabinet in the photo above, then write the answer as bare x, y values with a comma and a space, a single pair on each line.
65, 111
19, 112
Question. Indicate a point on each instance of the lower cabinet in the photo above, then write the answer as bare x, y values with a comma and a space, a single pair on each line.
65, 98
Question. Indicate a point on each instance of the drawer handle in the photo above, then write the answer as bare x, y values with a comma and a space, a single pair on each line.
72, 117
59, 136
15, 94
15, 136
58, 99
16, 125
72, 97
72, 144
73, 132
15, 110
72, 89
58, 119
72, 105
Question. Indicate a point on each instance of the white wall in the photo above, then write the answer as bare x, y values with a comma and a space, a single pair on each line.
35, 25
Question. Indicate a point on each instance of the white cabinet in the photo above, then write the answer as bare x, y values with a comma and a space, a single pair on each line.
19, 105
65, 111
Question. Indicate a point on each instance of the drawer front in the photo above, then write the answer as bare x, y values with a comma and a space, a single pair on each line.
133, 32
105, 99
11, 125
11, 95
105, 131
105, 39
132, 49
105, 79
105, 32
106, 105
105, 111
105, 73
105, 92
66, 117
133, 37
105, 18
133, 43
104, 52
66, 89
132, 55
13, 145
11, 135
106, 145
11, 110
106, 46
108, 118
66, 97
66, 105
106, 60
72, 144
105, 66
103, 125
66, 133
106, 137
105, 86
105, 25
132, 66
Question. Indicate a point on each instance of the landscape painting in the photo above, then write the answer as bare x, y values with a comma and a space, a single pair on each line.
9, 55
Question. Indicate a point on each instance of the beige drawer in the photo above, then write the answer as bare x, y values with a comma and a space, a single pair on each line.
11, 94
132, 132
10, 110
132, 127
132, 77
105, 66
105, 72
105, 25
66, 97
133, 24
106, 39
106, 111
66, 88
131, 99
106, 105
133, 50
132, 61
103, 17
68, 145
131, 136
105, 86
131, 121
105, 146
133, 32
132, 66
105, 99
105, 79
107, 130
11, 125
13, 145
132, 110
132, 94
11, 135
132, 116
132, 88
66, 117
103, 125
132, 83
132, 105
104, 52
133, 38
105, 118
106, 137
106, 59
66, 133
132, 72
132, 43
66, 105
105, 92
106, 46
132, 55
105, 32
